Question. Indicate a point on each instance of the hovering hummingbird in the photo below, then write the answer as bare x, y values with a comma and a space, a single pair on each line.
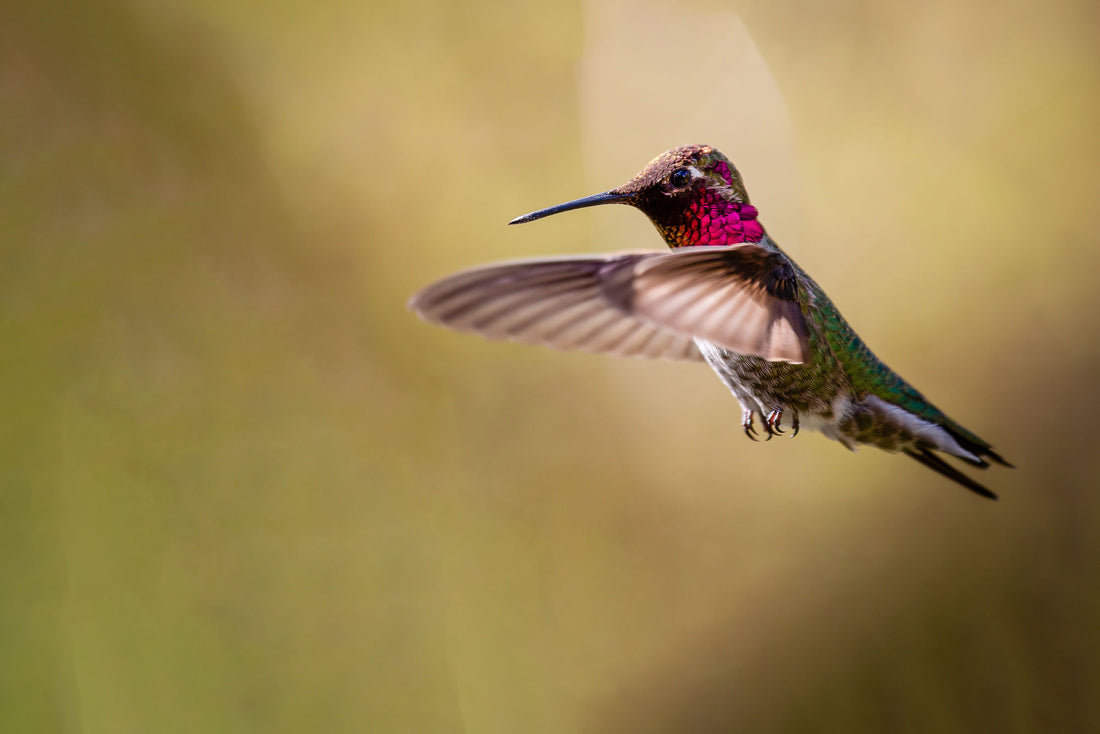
726, 295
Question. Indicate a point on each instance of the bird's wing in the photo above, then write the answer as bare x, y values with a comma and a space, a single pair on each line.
649, 304
564, 303
743, 298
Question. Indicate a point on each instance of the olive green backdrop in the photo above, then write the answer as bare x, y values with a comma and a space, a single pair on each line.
243, 489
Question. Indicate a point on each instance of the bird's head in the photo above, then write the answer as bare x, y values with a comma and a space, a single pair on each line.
693, 195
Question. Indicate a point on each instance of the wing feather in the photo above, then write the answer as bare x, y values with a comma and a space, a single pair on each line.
565, 303
743, 298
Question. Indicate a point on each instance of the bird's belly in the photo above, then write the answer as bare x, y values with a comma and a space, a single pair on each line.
797, 389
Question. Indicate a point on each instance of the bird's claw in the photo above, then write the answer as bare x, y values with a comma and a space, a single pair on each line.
746, 423
771, 423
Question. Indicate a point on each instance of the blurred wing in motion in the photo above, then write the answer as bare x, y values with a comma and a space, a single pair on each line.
564, 303
743, 298
648, 304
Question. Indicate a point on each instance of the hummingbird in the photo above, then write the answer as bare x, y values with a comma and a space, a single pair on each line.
726, 295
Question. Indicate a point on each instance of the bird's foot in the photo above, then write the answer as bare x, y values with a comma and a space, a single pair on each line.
771, 423
746, 423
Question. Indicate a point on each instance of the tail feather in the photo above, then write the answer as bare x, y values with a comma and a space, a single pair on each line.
938, 465
974, 445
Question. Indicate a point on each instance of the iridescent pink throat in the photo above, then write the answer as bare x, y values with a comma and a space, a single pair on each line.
713, 220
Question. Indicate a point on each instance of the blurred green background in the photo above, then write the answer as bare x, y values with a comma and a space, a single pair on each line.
244, 489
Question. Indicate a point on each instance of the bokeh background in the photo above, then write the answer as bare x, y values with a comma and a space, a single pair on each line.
244, 489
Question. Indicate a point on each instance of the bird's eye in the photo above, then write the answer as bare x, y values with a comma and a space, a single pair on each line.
680, 178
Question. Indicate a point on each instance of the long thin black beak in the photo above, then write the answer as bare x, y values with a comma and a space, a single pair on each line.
608, 197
